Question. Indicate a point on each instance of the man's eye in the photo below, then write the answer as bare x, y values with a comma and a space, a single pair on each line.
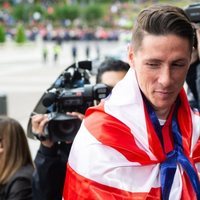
153, 64
178, 65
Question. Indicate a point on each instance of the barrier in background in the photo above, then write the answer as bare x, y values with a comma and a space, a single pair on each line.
3, 104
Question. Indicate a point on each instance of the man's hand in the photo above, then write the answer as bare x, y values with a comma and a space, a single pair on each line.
38, 123
76, 114
40, 120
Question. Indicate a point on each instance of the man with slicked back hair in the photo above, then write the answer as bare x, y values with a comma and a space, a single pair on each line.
142, 142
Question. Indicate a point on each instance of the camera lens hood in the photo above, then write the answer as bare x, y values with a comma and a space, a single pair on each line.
62, 127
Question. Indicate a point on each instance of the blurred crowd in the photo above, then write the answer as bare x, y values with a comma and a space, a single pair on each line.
49, 33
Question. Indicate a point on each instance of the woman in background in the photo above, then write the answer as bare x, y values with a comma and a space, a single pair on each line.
16, 166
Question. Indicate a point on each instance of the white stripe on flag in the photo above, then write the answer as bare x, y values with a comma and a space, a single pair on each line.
196, 131
126, 105
107, 166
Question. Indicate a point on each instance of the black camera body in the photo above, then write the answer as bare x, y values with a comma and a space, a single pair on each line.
193, 12
74, 99
71, 92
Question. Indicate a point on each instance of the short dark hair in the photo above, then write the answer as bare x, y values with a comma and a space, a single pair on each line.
111, 65
162, 20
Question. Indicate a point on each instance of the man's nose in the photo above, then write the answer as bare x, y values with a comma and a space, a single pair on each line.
165, 76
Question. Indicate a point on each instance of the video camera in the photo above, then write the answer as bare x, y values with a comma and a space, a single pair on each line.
71, 92
193, 12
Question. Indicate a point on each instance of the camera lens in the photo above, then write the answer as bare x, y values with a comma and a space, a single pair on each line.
64, 129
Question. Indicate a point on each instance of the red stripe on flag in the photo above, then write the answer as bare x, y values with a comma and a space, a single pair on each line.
196, 152
112, 132
187, 191
79, 187
185, 123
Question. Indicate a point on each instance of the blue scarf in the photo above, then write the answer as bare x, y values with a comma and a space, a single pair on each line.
176, 156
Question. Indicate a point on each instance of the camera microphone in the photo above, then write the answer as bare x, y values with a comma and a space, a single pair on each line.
49, 99
85, 65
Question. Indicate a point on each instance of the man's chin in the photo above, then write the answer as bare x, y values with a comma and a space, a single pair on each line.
162, 106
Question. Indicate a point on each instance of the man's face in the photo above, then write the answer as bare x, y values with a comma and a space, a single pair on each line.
161, 65
111, 78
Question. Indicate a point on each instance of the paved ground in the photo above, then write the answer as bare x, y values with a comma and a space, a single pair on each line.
24, 76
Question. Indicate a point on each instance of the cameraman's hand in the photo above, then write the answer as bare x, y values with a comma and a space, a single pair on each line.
76, 114
38, 122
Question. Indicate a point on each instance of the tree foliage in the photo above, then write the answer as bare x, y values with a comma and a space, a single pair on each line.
67, 12
2, 34
93, 13
20, 34
20, 12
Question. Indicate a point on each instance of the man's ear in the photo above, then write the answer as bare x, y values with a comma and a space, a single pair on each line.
131, 56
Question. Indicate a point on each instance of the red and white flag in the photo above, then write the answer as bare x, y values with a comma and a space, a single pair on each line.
117, 154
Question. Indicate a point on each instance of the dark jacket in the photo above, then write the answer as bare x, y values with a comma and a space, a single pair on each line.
191, 80
19, 187
49, 176
198, 84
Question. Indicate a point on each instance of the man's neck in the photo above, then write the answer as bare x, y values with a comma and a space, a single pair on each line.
162, 114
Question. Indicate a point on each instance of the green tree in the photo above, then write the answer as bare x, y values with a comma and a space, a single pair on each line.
86, 2
70, 12
20, 34
2, 34
93, 13
39, 9
50, 13
21, 12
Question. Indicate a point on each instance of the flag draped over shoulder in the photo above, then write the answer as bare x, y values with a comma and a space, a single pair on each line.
117, 153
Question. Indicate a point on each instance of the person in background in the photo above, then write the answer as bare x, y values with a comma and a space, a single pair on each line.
111, 71
51, 159
56, 51
87, 52
74, 52
198, 75
192, 77
142, 141
45, 53
16, 166
98, 54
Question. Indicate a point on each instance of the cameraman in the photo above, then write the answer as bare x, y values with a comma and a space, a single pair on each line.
193, 75
50, 163
51, 159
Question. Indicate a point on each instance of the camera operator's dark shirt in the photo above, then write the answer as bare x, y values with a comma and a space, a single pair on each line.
191, 81
49, 176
